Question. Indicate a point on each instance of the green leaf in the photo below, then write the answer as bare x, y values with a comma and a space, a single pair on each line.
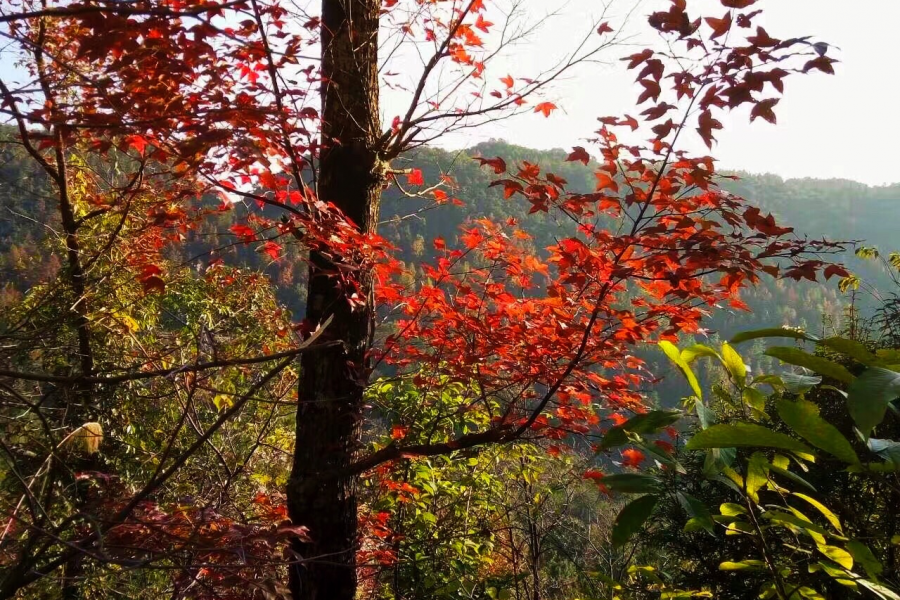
631, 483
838, 555
864, 556
632, 518
757, 474
803, 417
735, 364
771, 332
718, 459
815, 531
889, 450
744, 565
868, 397
705, 414
793, 477
692, 353
744, 435
855, 350
730, 509
822, 366
829, 516
832, 570
755, 399
797, 384
878, 589
696, 510
649, 422
675, 356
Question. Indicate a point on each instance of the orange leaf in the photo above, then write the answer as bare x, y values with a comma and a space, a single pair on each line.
483, 25
414, 177
545, 107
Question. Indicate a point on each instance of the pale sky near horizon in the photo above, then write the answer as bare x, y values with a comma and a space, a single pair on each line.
841, 126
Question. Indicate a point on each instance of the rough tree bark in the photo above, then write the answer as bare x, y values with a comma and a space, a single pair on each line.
332, 383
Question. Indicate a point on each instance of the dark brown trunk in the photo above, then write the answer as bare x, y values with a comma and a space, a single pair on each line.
332, 382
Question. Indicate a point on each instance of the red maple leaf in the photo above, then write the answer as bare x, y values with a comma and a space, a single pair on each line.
580, 154
272, 249
483, 25
415, 177
545, 107
497, 164
763, 109
632, 458
242, 231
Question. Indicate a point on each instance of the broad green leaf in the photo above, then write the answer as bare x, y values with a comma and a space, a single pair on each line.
718, 459
692, 353
675, 356
798, 384
735, 364
864, 556
771, 332
649, 422
815, 531
879, 590
632, 518
889, 450
838, 574
803, 417
757, 474
829, 516
773, 381
696, 510
740, 527
822, 366
730, 509
793, 477
755, 399
745, 435
868, 396
730, 475
744, 565
693, 524
631, 483
855, 350
838, 555
705, 414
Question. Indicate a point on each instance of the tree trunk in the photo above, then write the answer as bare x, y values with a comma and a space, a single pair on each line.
332, 382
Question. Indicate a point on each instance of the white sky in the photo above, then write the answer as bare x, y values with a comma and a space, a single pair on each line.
842, 126
828, 126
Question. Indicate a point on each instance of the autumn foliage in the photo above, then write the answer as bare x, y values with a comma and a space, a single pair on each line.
197, 100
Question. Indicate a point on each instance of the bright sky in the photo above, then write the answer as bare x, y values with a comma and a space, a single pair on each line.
840, 126
828, 126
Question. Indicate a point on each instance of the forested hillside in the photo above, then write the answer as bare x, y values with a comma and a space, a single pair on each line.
836, 209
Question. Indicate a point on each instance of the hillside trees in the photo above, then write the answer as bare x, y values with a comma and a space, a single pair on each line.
193, 98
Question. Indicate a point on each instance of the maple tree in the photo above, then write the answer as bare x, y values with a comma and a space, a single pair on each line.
190, 98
